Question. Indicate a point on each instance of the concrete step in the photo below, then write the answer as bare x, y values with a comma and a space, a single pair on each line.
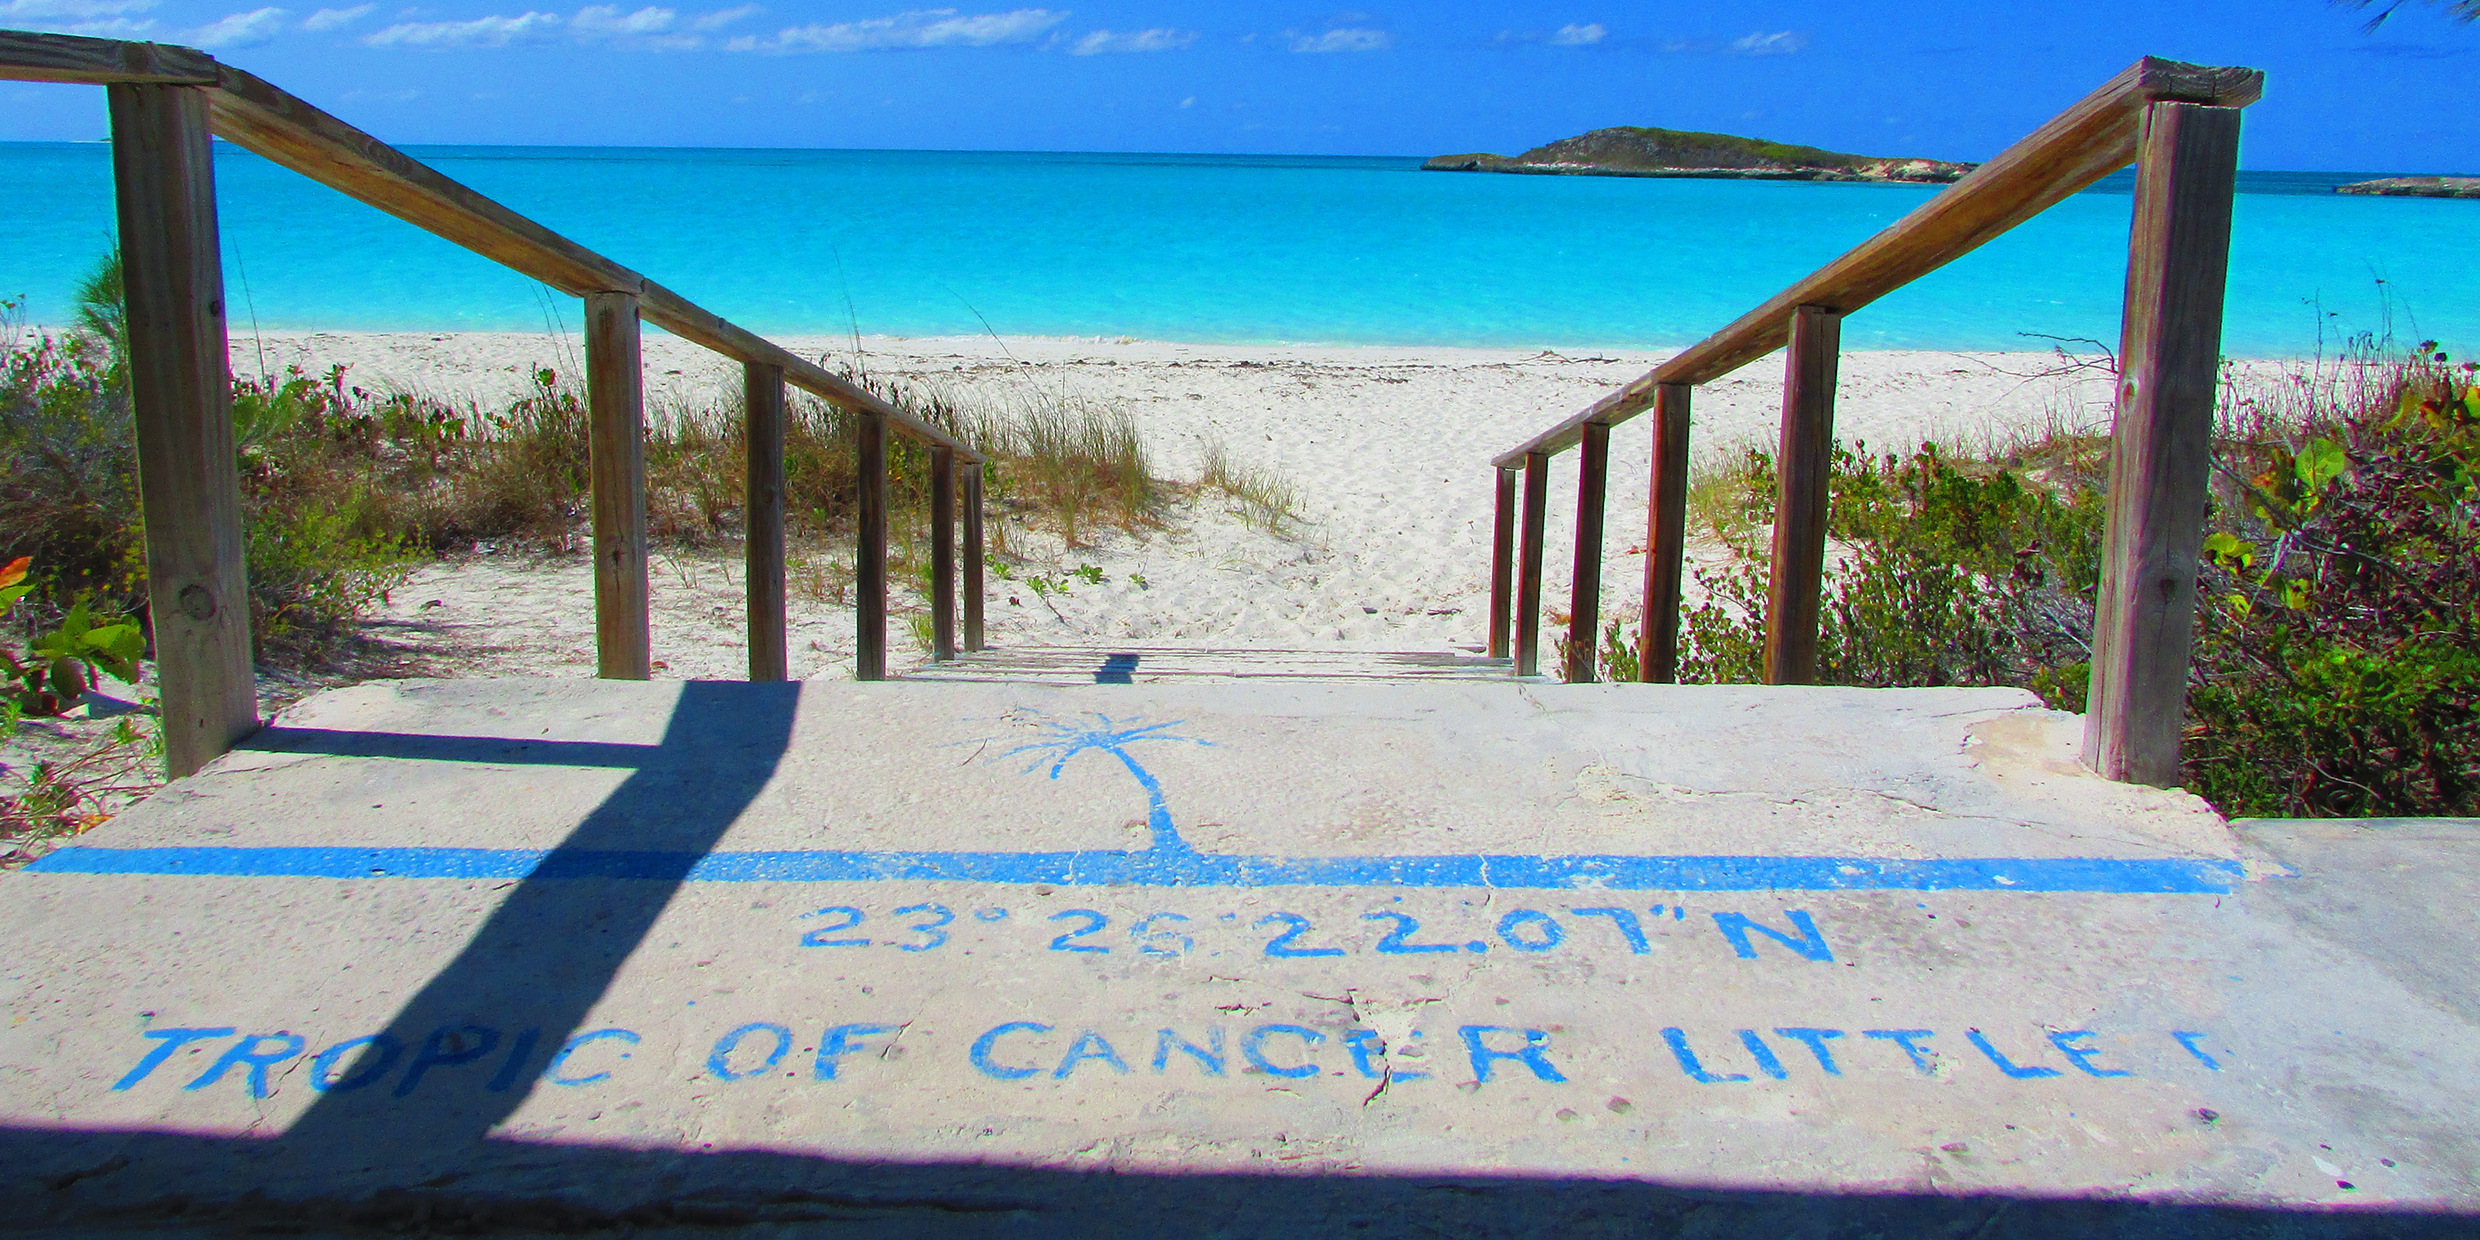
1149, 664
1300, 957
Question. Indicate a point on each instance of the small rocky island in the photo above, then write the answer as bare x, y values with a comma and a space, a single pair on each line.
1627, 151
2416, 187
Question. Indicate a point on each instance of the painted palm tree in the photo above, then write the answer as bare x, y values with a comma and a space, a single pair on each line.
1107, 735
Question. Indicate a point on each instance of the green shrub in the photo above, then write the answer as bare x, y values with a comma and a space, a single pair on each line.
2337, 662
1955, 572
2339, 667
316, 504
68, 468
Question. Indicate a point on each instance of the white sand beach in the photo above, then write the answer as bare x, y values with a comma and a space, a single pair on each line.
1389, 449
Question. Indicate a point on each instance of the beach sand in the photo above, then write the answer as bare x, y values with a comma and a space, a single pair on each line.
1389, 449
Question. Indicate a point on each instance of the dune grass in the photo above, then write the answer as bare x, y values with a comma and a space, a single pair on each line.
1262, 496
347, 489
1077, 463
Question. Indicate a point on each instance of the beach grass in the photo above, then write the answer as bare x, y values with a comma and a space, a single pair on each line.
1262, 496
1078, 463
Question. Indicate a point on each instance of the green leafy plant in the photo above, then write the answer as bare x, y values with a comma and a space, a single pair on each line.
1045, 585
2337, 653
59, 665
1954, 572
1618, 655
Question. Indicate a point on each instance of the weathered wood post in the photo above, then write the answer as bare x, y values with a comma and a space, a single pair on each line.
1528, 574
870, 551
616, 409
181, 397
942, 553
2161, 445
1502, 558
973, 587
1803, 467
1666, 537
764, 502
1584, 590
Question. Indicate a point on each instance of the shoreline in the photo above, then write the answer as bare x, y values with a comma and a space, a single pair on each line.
459, 364
811, 343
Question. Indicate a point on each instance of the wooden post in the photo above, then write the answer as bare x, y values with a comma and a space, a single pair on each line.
942, 554
973, 588
870, 555
1584, 591
616, 408
2162, 441
1502, 560
764, 502
1666, 537
1803, 466
1528, 573
181, 398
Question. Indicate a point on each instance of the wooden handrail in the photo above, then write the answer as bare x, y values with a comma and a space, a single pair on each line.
2079, 146
2179, 124
30, 57
269, 122
166, 101
250, 113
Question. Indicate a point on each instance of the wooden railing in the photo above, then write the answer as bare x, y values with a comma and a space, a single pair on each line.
165, 103
2179, 124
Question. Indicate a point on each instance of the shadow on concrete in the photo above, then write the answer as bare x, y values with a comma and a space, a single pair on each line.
430, 747
529, 975
516, 1188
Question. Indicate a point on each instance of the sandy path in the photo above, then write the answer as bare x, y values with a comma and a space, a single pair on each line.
1388, 447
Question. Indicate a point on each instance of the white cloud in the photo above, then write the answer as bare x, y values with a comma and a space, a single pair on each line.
1159, 39
1781, 43
235, 30
914, 29
492, 31
1572, 35
721, 18
1348, 39
1189, 102
116, 28
603, 21
104, 19
331, 19
70, 10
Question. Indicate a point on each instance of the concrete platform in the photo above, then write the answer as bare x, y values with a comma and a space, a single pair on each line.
1150, 664
1226, 957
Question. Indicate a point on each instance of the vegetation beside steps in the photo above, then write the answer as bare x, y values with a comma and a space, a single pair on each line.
2337, 667
346, 491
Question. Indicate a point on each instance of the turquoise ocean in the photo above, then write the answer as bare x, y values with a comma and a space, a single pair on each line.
1235, 249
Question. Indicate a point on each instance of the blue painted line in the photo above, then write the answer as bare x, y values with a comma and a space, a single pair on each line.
1177, 867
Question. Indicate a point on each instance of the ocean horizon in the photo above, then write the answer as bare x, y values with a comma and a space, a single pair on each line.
1245, 249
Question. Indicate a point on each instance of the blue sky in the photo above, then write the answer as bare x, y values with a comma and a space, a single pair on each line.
1937, 78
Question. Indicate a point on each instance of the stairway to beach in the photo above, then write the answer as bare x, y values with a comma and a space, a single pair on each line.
1148, 664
